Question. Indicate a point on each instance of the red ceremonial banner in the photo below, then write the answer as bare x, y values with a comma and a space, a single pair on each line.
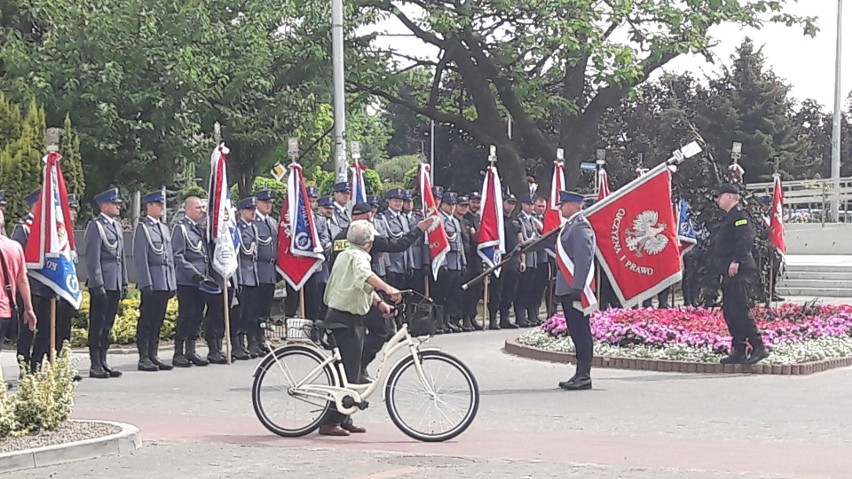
636, 233
552, 215
436, 235
776, 225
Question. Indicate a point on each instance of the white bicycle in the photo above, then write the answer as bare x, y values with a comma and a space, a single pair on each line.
430, 395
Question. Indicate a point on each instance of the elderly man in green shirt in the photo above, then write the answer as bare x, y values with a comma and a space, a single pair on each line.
350, 293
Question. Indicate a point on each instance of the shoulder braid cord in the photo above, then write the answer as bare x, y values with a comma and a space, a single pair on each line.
111, 247
157, 251
390, 231
197, 247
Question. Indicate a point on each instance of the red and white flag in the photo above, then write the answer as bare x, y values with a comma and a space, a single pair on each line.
222, 217
436, 235
636, 233
50, 253
492, 241
776, 225
299, 249
588, 302
552, 215
603, 184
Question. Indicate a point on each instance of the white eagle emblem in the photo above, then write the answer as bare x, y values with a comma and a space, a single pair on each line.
646, 235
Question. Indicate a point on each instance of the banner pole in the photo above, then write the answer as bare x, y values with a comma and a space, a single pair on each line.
426, 284
485, 319
227, 317
598, 282
302, 302
52, 329
771, 282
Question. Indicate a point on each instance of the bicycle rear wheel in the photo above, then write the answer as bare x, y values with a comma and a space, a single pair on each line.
437, 407
283, 411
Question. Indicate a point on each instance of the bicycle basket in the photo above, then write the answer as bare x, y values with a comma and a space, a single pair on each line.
420, 316
299, 328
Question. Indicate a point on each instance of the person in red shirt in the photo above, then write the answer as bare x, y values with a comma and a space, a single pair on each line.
13, 272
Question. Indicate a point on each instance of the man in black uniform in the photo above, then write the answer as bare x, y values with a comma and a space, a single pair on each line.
470, 297
503, 289
734, 262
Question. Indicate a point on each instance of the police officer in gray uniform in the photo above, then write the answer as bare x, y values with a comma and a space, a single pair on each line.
447, 291
419, 250
155, 278
525, 296
395, 225
578, 240
192, 262
543, 266
267, 255
342, 192
107, 281
249, 294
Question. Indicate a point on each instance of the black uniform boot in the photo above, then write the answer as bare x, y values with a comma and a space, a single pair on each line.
113, 373
504, 320
145, 363
453, 324
192, 356
214, 353
238, 349
97, 369
581, 380
758, 351
253, 348
153, 353
737, 356
475, 324
521, 316
466, 325
179, 359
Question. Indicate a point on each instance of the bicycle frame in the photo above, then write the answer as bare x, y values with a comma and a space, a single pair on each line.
358, 392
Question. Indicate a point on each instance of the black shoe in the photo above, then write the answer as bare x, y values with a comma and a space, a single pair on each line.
476, 325
509, 326
757, 356
179, 360
577, 384
153, 354
452, 327
238, 351
77, 378
97, 368
113, 373
192, 356
493, 325
214, 352
98, 373
736, 358
365, 376
145, 364
775, 297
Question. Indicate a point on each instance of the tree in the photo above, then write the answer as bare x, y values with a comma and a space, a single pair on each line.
750, 104
529, 59
72, 164
20, 160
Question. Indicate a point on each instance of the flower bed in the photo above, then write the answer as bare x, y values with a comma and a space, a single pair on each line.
795, 334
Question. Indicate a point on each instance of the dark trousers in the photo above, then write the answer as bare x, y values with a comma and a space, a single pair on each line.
736, 308
662, 300
350, 342
579, 329
313, 298
41, 341
26, 337
495, 288
214, 316
248, 297
525, 295
447, 293
471, 296
102, 317
265, 294
509, 277
190, 309
152, 312
378, 332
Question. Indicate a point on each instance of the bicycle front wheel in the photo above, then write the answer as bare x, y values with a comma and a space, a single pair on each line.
279, 407
437, 406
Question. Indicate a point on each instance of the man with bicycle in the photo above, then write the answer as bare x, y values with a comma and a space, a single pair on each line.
350, 294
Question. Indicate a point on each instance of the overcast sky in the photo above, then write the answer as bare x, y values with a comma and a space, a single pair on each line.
805, 63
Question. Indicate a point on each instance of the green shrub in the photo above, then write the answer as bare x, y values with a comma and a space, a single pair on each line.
44, 398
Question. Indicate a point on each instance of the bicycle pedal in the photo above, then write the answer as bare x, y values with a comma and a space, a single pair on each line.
363, 405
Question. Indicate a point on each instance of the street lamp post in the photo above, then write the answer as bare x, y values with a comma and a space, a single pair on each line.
835, 132
339, 99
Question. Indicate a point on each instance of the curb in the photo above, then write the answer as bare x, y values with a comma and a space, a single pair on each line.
513, 347
125, 441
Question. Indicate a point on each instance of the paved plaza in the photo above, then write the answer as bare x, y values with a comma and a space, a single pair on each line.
635, 424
